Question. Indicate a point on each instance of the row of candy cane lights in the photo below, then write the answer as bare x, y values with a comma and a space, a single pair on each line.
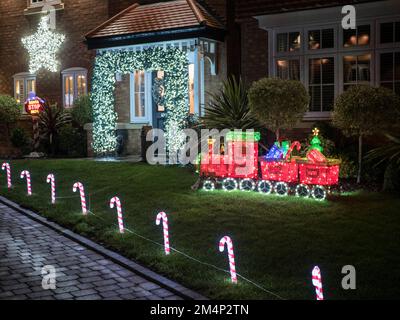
115, 201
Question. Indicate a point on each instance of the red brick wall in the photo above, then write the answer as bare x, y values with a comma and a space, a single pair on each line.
254, 51
78, 17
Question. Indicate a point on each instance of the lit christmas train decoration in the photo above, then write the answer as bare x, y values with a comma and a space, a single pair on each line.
278, 172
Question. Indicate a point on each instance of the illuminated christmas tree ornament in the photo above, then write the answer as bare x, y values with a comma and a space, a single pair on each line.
42, 47
316, 142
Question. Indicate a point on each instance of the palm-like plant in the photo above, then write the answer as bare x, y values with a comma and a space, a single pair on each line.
229, 108
51, 120
389, 153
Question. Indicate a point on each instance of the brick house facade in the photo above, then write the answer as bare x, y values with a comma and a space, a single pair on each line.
253, 47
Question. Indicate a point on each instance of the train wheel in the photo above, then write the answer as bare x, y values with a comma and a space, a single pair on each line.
247, 185
281, 189
229, 184
208, 185
303, 191
265, 187
319, 193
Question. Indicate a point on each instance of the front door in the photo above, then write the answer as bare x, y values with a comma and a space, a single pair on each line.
157, 93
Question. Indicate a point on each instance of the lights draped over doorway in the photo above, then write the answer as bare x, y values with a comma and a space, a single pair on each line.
175, 64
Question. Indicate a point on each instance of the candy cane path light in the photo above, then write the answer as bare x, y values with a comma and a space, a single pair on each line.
116, 201
229, 244
26, 174
163, 216
79, 186
6, 166
52, 180
317, 282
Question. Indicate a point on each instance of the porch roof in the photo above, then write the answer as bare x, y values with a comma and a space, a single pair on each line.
162, 21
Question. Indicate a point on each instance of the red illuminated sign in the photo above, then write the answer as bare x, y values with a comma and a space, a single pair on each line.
34, 106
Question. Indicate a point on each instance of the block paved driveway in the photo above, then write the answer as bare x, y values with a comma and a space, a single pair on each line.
27, 246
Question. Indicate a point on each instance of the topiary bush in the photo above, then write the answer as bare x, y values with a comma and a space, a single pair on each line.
363, 110
278, 104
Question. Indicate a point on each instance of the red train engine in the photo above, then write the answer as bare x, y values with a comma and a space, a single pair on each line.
279, 173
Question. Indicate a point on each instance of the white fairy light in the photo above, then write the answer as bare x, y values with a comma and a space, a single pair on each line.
42, 47
281, 189
245, 183
229, 182
208, 185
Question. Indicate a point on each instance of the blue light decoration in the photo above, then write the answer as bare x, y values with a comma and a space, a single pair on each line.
175, 64
275, 153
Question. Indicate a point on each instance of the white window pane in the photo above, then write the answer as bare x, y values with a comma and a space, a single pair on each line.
191, 89
139, 93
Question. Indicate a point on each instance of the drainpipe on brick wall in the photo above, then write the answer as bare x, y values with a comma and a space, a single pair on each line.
233, 41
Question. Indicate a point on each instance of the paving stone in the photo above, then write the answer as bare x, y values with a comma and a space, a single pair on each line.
26, 246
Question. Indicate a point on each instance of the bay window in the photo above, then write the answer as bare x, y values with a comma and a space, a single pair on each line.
74, 82
24, 83
322, 84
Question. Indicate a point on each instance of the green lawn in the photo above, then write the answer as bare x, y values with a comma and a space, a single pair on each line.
277, 240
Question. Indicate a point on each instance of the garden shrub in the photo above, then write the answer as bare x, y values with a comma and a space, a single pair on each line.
71, 142
81, 113
363, 110
278, 104
229, 108
10, 111
20, 139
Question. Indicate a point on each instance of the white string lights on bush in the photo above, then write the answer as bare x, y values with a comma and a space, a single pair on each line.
172, 61
42, 47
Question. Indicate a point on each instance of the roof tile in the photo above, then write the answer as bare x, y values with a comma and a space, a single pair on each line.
156, 17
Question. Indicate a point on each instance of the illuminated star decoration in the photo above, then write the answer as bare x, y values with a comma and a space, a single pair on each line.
42, 47
316, 131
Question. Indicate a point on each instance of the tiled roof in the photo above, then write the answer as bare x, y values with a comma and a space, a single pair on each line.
139, 19
248, 8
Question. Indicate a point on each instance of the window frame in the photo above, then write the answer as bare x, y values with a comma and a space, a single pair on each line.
74, 72
288, 58
25, 77
148, 118
378, 64
378, 44
42, 3
308, 51
360, 22
320, 114
287, 30
356, 53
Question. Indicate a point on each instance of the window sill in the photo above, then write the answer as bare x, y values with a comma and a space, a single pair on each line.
315, 116
35, 9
